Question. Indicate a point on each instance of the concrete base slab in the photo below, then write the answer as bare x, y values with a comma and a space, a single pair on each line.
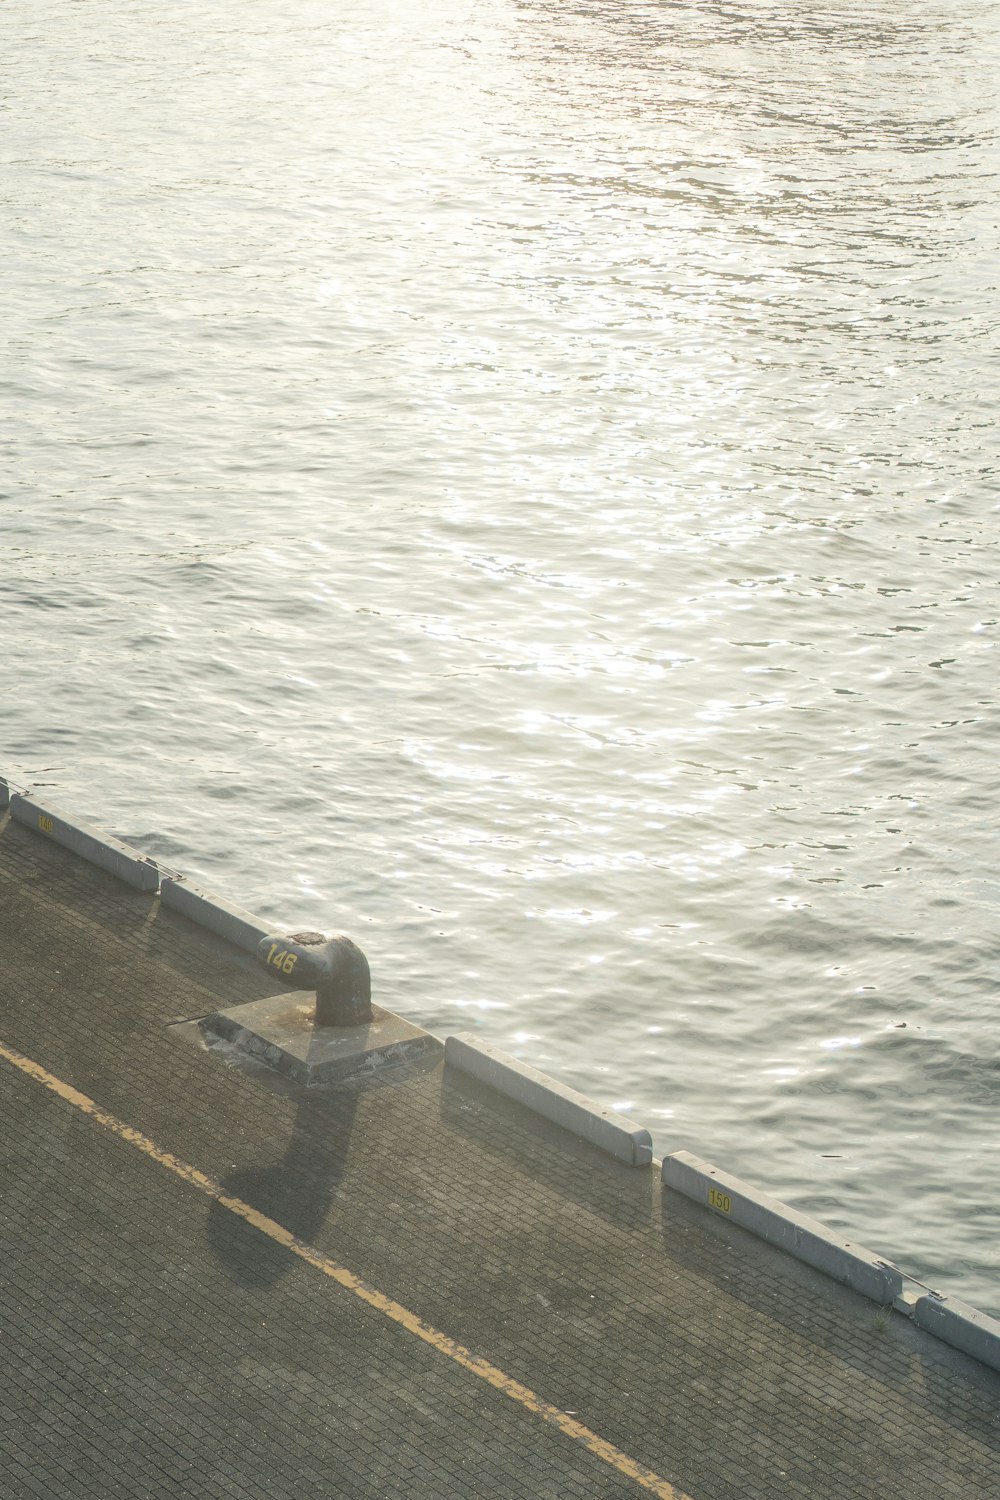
281, 1032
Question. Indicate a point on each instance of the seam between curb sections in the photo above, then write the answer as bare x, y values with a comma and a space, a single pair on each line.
395, 1311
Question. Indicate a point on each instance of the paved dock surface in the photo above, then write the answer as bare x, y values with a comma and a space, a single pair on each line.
217, 1284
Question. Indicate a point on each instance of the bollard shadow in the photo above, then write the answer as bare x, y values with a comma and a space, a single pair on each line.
297, 1192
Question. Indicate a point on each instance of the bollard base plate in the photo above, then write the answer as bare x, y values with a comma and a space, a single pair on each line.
281, 1031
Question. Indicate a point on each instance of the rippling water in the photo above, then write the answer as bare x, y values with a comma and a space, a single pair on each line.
516, 481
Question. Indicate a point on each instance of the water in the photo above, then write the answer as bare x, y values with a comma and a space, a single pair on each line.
517, 482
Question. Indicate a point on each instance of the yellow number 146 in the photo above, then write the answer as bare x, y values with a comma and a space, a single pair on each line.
281, 958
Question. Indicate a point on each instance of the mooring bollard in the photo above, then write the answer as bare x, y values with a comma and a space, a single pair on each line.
334, 967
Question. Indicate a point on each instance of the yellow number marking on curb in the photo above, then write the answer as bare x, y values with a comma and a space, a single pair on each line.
44, 823
482, 1368
721, 1201
280, 958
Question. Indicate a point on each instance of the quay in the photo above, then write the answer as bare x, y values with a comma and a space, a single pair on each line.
219, 1282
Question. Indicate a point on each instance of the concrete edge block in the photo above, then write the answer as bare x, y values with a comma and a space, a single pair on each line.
961, 1326
221, 917
92, 844
603, 1128
4, 793
798, 1235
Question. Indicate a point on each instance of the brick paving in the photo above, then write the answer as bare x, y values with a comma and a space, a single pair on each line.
157, 1345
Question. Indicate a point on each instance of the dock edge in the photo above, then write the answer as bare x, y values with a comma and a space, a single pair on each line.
798, 1235
946, 1318
956, 1323
221, 917
554, 1101
93, 844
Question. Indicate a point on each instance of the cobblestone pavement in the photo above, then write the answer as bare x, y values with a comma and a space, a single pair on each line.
159, 1344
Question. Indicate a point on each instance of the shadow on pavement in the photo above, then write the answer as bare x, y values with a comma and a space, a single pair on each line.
297, 1191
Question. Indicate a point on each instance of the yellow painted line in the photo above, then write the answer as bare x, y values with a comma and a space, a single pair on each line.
493, 1376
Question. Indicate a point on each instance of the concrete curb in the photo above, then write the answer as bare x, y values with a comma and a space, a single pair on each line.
603, 1128
961, 1326
804, 1238
92, 844
4, 794
221, 917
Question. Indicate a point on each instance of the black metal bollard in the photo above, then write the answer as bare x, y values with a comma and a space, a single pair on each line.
334, 967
